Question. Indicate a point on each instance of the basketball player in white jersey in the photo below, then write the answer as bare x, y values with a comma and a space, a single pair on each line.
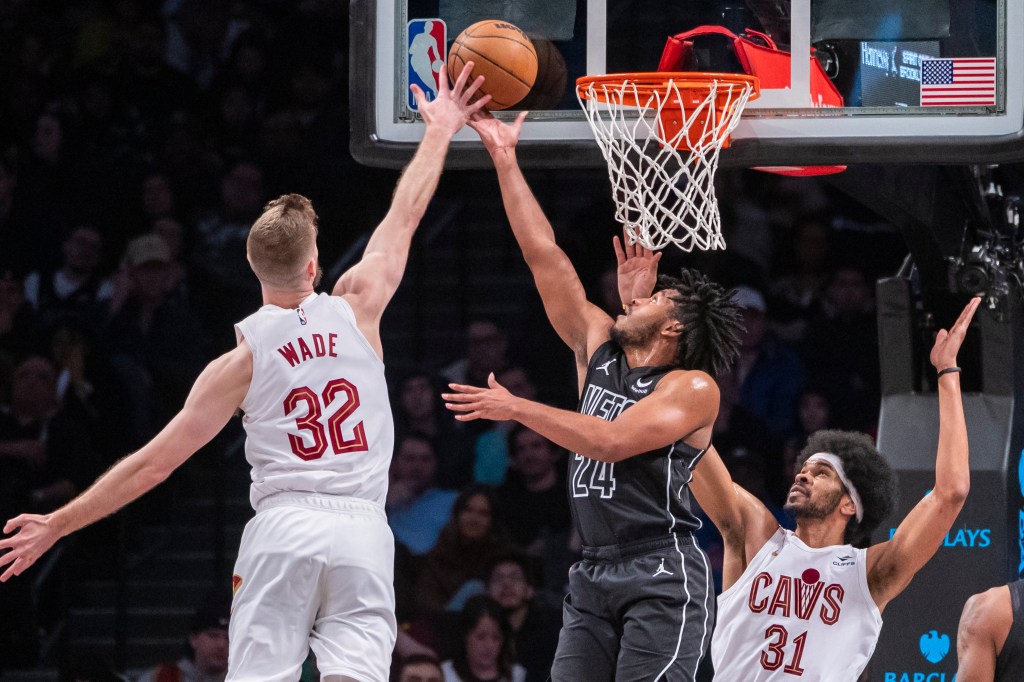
315, 565
808, 604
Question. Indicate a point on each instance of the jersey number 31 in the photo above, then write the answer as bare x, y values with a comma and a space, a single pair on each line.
336, 390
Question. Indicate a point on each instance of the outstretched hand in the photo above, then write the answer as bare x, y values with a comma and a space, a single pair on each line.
474, 402
495, 135
637, 268
35, 535
452, 108
947, 343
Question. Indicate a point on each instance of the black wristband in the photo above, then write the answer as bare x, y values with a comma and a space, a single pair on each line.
948, 370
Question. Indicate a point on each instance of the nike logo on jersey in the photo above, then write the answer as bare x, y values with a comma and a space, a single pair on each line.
298, 351
640, 386
604, 367
662, 570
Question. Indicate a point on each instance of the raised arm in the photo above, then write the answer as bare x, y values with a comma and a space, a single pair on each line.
892, 564
743, 520
984, 626
682, 405
216, 395
580, 324
369, 285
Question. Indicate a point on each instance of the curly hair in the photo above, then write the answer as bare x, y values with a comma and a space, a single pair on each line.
711, 321
867, 470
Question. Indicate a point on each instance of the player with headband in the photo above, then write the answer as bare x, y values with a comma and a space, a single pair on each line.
809, 603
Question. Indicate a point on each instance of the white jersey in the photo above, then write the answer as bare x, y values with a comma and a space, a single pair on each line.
317, 417
797, 613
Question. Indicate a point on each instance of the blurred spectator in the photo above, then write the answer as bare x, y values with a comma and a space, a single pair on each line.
486, 352
173, 234
490, 450
25, 229
156, 344
814, 413
86, 388
418, 409
150, 89
158, 198
20, 332
841, 349
456, 566
797, 293
417, 509
75, 287
769, 376
533, 505
223, 274
46, 458
485, 650
418, 668
208, 645
534, 623
200, 35
741, 435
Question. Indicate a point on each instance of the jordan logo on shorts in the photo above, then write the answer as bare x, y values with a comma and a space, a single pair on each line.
662, 570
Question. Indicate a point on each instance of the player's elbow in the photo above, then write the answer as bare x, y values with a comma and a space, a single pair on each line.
954, 494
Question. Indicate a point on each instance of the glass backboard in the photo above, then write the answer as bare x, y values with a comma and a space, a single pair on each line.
919, 81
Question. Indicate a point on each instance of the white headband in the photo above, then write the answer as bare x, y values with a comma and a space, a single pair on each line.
837, 465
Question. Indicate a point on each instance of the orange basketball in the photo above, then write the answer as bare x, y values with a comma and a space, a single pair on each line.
502, 54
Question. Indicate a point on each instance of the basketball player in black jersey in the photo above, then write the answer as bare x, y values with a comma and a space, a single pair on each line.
990, 640
640, 604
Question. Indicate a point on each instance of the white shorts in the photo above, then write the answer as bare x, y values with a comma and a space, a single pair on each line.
313, 571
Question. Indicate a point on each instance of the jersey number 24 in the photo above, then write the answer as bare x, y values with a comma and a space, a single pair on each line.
336, 390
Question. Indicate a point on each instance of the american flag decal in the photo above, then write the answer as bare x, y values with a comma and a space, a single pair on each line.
959, 82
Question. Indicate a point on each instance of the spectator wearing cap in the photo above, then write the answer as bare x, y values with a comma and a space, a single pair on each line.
156, 343
768, 375
208, 645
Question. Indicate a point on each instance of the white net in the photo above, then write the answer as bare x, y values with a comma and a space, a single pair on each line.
661, 138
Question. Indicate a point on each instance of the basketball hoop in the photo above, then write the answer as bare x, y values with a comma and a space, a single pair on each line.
661, 134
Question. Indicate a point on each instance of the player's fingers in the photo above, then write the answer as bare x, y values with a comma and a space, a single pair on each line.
15, 569
968, 312
464, 83
418, 95
467, 417
620, 253
464, 388
7, 558
517, 125
459, 407
479, 104
657, 256
15, 523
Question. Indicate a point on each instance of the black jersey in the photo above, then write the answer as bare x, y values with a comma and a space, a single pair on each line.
1010, 661
638, 498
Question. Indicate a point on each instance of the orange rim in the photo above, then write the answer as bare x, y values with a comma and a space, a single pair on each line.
645, 84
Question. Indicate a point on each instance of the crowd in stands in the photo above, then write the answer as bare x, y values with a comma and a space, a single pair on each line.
139, 139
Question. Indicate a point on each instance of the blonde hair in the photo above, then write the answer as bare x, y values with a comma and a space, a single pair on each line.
282, 240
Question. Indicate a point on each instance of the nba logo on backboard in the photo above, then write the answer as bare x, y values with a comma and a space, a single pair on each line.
427, 47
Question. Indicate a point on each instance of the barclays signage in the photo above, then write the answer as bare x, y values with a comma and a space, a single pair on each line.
934, 647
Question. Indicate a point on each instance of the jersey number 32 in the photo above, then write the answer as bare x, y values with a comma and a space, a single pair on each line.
340, 391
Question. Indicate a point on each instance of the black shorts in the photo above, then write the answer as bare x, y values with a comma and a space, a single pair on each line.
638, 612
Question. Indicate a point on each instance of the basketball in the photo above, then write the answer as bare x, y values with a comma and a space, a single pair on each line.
502, 54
